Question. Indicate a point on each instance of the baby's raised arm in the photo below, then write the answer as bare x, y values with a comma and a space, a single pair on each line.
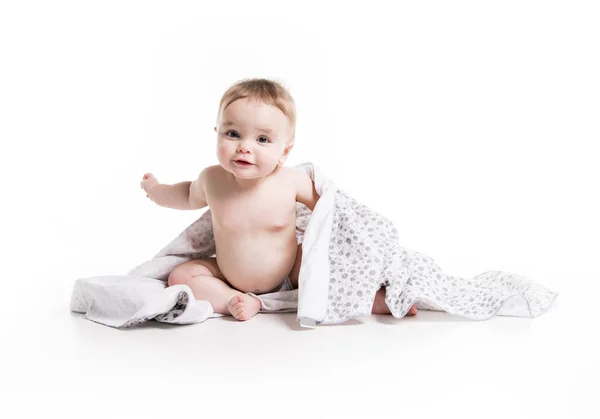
183, 195
197, 198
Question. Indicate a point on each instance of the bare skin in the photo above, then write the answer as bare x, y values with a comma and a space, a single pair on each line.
226, 279
253, 208
254, 252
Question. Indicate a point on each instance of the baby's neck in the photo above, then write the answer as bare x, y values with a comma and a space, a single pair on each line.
247, 183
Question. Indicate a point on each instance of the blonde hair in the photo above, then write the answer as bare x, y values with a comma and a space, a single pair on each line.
269, 92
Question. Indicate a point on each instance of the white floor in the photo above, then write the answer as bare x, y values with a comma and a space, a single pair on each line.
435, 364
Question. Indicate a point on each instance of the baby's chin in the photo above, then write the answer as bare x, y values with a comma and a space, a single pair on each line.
246, 173
250, 172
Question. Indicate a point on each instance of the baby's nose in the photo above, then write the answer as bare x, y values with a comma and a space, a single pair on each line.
243, 147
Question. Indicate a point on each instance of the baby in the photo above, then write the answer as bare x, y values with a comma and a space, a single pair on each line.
252, 197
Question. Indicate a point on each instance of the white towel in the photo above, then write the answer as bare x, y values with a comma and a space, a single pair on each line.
349, 251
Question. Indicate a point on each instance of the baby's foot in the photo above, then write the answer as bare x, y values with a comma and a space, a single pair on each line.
243, 306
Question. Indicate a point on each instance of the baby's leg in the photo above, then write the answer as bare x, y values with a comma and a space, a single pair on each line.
380, 307
208, 283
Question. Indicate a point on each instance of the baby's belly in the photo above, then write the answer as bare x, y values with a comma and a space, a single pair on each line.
255, 262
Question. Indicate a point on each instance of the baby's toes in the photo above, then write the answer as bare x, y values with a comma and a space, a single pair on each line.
236, 306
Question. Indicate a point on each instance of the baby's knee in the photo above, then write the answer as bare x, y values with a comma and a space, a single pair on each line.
177, 277
184, 272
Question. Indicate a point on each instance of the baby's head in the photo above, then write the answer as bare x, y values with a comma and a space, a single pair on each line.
256, 123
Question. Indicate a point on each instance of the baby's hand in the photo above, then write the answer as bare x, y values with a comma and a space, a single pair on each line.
148, 182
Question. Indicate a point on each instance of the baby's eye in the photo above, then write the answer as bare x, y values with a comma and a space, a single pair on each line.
231, 135
264, 138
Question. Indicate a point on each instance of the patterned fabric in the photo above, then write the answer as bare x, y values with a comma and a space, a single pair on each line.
365, 255
349, 252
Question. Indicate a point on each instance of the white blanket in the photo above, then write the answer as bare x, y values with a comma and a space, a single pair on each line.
349, 251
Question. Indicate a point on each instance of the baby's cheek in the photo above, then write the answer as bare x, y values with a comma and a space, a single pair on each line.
222, 151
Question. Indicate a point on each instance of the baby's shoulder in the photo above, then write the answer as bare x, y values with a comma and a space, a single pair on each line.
286, 176
295, 175
212, 172
290, 171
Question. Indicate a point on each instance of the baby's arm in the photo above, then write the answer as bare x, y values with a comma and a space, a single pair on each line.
305, 189
197, 197
183, 195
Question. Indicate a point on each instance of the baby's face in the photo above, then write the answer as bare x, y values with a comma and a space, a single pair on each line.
255, 132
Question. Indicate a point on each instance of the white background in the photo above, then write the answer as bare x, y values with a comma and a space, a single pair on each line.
472, 125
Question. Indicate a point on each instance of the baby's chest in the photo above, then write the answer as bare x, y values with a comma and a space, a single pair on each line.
262, 211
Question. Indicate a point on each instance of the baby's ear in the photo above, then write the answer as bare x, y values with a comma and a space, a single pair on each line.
285, 154
215, 129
